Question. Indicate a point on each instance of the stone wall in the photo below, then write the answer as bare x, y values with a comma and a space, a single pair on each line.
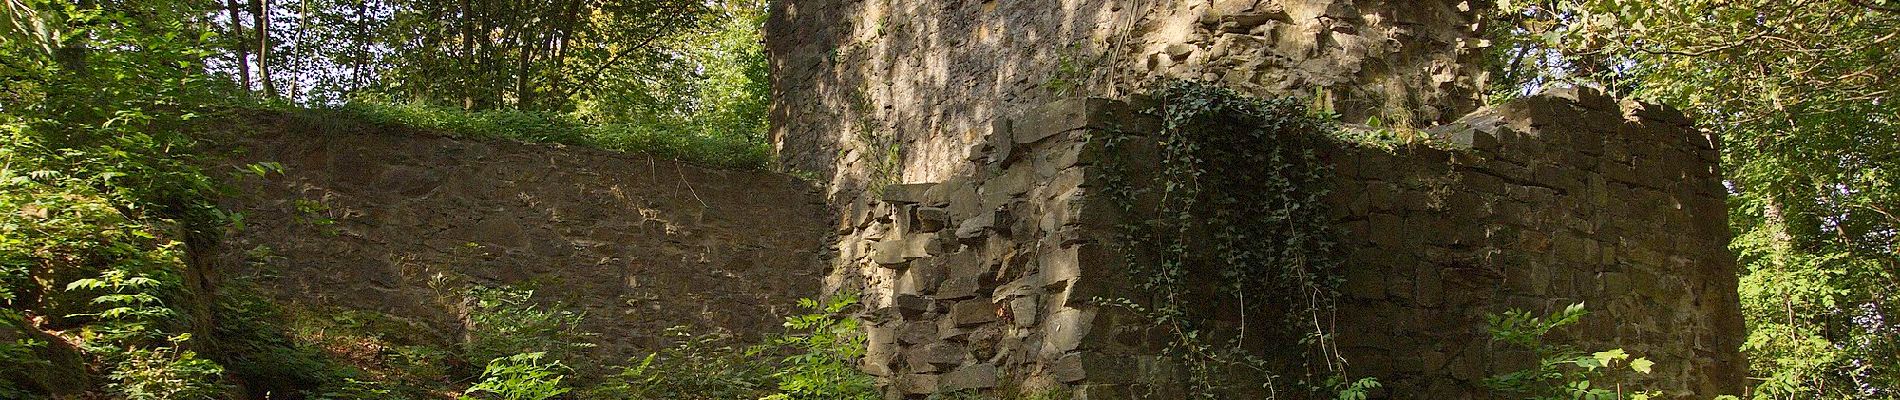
365, 218
957, 149
877, 91
1544, 202
983, 281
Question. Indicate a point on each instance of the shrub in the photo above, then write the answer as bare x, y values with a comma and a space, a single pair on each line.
825, 344
521, 377
694, 367
166, 373
504, 321
1562, 372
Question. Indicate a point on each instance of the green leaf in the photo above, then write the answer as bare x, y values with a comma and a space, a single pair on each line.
1641, 365
1607, 357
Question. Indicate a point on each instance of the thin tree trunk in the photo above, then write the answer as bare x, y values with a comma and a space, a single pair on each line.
466, 76
243, 44
362, 46
260, 9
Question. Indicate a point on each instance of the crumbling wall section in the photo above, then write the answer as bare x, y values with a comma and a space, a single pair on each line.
986, 280
880, 91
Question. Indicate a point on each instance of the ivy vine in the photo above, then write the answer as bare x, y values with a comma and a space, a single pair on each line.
1233, 218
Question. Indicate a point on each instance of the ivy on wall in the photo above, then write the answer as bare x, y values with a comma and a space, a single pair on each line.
1229, 238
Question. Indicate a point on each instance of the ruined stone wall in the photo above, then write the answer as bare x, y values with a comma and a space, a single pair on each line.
957, 150
1545, 202
366, 219
878, 91
983, 281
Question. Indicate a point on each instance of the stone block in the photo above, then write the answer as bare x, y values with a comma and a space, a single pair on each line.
973, 312
917, 384
890, 253
930, 219
1064, 330
1001, 189
1023, 311
917, 332
976, 376
905, 192
1068, 369
1474, 139
937, 356
975, 228
913, 307
919, 278
1056, 118
957, 288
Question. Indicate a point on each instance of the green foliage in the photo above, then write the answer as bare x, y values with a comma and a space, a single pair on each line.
1265, 237
685, 79
694, 367
825, 346
1358, 390
166, 373
725, 151
521, 377
257, 345
504, 321
1562, 372
1801, 94
819, 352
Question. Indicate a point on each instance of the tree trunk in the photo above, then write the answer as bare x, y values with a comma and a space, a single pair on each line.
243, 44
362, 46
260, 10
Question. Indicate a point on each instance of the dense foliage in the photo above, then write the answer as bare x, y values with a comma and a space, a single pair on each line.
102, 199
1802, 94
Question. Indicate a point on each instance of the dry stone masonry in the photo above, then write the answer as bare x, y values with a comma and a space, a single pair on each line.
961, 142
859, 81
984, 281
366, 219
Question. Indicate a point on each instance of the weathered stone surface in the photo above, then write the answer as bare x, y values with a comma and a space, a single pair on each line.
935, 356
972, 312
636, 243
976, 227
931, 219
846, 67
978, 376
917, 384
917, 333
906, 192
1534, 203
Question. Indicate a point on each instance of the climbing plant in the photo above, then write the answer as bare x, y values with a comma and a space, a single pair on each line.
1236, 199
